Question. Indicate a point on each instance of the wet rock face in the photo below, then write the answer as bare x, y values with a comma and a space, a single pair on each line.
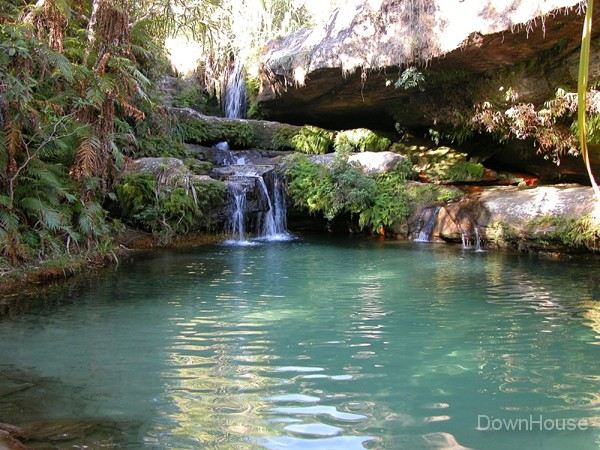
512, 216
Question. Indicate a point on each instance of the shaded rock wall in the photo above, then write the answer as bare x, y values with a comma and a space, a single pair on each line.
501, 52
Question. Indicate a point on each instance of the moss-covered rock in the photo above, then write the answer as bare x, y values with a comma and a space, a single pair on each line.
360, 140
239, 133
198, 167
163, 196
204, 132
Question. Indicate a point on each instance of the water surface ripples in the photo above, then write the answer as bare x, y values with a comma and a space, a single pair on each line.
315, 344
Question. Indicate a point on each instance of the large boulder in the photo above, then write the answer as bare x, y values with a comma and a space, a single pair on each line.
373, 163
546, 217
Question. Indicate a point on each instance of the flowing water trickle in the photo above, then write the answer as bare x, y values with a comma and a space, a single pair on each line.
478, 247
234, 103
427, 228
473, 241
237, 213
274, 220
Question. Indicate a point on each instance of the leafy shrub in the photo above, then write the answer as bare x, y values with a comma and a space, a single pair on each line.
360, 139
167, 211
583, 232
190, 96
379, 201
283, 138
312, 140
410, 78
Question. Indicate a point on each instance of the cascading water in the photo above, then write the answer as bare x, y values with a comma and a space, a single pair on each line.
271, 222
268, 219
234, 101
237, 214
466, 240
274, 221
427, 228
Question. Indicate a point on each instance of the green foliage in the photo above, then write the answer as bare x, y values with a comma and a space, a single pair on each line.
191, 96
378, 201
237, 134
312, 140
466, 171
282, 138
160, 146
360, 139
252, 90
410, 78
583, 232
198, 167
164, 210
390, 202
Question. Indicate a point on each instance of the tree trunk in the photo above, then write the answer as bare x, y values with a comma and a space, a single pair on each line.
91, 29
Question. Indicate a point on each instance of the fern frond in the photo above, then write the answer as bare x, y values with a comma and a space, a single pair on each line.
87, 159
132, 111
61, 64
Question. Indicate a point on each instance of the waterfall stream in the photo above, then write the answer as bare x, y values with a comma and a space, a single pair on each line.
237, 221
476, 243
234, 101
427, 228
258, 199
257, 205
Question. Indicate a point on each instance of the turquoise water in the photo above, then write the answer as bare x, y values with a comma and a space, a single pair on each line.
316, 344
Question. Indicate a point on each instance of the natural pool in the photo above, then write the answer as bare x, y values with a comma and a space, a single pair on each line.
316, 344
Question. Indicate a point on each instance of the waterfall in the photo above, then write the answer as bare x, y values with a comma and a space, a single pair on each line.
274, 221
237, 215
271, 223
234, 101
466, 240
427, 228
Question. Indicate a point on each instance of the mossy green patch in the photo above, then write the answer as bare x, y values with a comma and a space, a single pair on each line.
361, 140
439, 164
198, 167
204, 132
312, 140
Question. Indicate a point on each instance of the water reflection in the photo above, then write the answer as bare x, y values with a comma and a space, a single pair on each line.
313, 345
